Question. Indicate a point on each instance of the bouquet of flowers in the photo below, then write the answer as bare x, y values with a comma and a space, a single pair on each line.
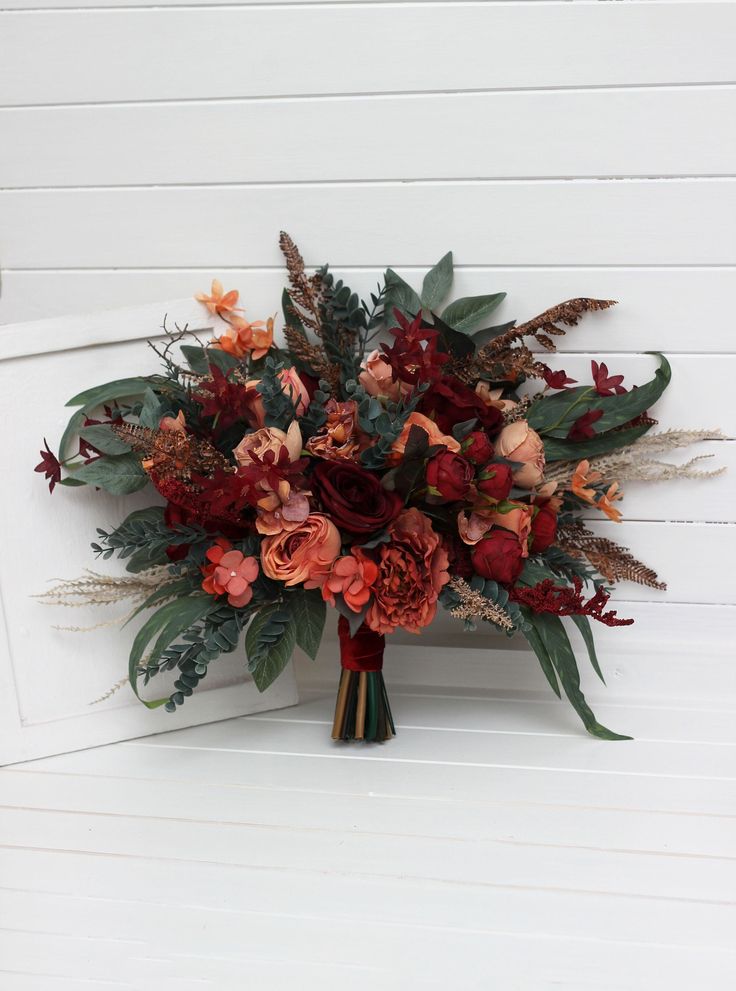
387, 458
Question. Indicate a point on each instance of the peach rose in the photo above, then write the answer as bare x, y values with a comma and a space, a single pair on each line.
284, 516
269, 439
473, 527
518, 520
304, 555
518, 442
291, 385
435, 436
376, 378
412, 568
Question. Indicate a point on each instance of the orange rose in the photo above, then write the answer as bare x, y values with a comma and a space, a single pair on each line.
433, 431
376, 378
518, 442
304, 555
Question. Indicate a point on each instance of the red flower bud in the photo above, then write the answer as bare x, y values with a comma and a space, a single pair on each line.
448, 477
498, 557
495, 481
544, 529
477, 447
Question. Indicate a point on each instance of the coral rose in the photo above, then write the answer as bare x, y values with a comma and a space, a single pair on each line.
304, 555
517, 520
412, 568
433, 432
229, 573
518, 442
498, 557
354, 498
376, 378
351, 577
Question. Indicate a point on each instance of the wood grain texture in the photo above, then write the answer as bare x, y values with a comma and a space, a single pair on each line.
625, 132
117, 55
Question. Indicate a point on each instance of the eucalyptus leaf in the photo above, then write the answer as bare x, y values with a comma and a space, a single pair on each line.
465, 314
437, 282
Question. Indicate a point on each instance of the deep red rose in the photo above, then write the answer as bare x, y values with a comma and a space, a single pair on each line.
448, 402
498, 557
353, 498
449, 475
477, 447
544, 529
495, 481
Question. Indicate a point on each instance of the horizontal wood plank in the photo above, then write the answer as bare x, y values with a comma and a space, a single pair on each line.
664, 309
646, 132
113, 55
677, 222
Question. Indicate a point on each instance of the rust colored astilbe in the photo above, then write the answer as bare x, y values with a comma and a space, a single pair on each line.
614, 562
507, 355
565, 601
172, 454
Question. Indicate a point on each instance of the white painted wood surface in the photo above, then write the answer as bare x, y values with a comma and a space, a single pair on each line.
561, 149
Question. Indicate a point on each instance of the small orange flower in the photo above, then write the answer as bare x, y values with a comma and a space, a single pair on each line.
581, 477
243, 338
605, 503
229, 573
219, 301
352, 577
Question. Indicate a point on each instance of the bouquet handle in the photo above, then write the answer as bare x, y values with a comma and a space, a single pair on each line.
362, 710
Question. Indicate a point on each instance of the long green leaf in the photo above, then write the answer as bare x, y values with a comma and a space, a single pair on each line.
308, 611
583, 624
535, 642
559, 650
437, 282
100, 394
465, 314
71, 431
166, 625
571, 450
179, 587
269, 643
118, 475
101, 437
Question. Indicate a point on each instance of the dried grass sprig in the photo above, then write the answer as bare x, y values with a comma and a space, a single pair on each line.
473, 605
305, 290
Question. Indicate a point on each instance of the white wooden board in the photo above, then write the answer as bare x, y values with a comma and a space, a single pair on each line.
50, 679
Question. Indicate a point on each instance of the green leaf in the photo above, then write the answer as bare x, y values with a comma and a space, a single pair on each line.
466, 313
196, 358
453, 342
118, 475
152, 410
583, 624
572, 450
399, 295
308, 611
556, 643
540, 650
166, 625
486, 334
179, 587
269, 643
72, 430
100, 394
618, 410
101, 437
437, 282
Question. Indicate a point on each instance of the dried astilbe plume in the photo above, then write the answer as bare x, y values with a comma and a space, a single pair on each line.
634, 462
473, 605
305, 290
94, 589
614, 562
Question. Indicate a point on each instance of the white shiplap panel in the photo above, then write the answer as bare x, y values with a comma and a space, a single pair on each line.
665, 309
677, 222
117, 55
625, 132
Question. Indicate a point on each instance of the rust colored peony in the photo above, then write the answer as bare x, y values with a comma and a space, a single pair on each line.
433, 432
498, 557
377, 378
304, 555
449, 477
495, 481
352, 577
518, 442
229, 573
412, 568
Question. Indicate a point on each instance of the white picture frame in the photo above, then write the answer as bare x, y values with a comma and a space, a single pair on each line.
49, 678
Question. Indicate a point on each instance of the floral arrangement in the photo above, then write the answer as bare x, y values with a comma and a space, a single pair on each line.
388, 458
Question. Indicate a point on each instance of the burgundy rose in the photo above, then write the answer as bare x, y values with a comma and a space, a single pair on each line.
448, 477
498, 557
477, 447
495, 481
544, 529
353, 498
448, 402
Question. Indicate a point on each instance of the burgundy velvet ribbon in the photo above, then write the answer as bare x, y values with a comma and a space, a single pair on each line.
364, 651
